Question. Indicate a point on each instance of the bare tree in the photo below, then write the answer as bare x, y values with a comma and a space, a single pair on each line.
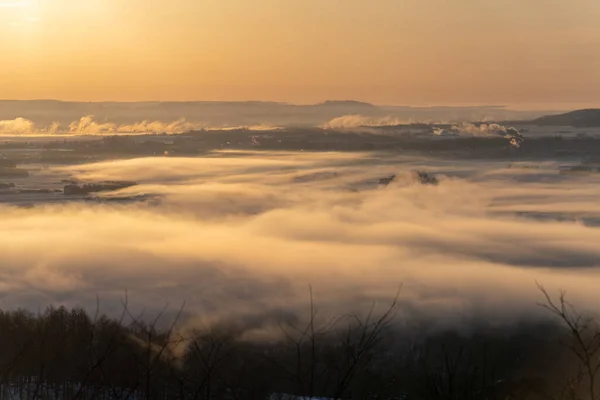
97, 356
155, 347
584, 343
358, 342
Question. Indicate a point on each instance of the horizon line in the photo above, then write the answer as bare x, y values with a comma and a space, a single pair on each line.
416, 105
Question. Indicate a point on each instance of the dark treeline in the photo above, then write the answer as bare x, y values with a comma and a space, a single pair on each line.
420, 142
70, 354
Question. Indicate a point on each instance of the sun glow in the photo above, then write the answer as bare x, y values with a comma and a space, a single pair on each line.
271, 50
20, 12
14, 4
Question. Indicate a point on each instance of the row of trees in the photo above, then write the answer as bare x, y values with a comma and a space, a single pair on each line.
70, 354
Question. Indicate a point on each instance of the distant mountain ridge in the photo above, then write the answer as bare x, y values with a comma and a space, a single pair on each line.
588, 118
346, 103
44, 113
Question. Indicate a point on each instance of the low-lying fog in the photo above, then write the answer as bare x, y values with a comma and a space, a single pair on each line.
241, 236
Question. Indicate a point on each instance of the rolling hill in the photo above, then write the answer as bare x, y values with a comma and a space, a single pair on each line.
580, 118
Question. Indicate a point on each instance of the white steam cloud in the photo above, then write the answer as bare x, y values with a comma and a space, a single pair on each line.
357, 121
89, 126
483, 130
465, 129
16, 126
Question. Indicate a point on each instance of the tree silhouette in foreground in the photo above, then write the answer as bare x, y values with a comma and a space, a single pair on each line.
70, 354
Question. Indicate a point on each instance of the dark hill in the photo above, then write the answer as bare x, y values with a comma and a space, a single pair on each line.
580, 118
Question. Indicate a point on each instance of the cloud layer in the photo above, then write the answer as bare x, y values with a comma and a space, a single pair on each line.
239, 234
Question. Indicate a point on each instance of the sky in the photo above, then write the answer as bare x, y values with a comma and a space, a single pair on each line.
523, 53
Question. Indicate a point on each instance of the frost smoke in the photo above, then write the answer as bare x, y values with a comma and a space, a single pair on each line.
513, 135
16, 126
357, 121
89, 126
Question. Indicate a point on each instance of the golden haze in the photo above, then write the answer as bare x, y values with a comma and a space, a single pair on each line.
515, 52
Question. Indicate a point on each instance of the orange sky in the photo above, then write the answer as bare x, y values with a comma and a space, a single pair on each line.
518, 52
